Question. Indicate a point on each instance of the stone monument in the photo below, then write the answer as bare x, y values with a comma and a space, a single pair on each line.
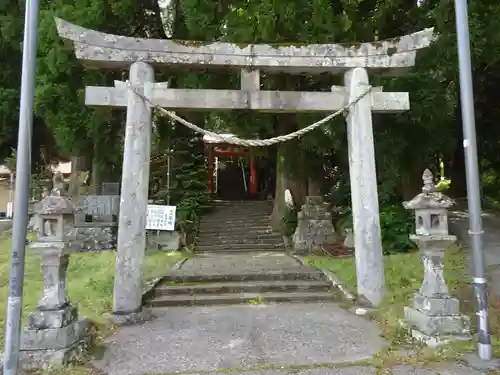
54, 334
434, 317
314, 228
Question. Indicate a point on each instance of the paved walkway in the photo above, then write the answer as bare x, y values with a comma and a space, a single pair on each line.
240, 264
459, 225
263, 339
215, 338
241, 336
352, 370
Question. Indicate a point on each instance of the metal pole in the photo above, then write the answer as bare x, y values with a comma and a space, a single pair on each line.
472, 171
23, 164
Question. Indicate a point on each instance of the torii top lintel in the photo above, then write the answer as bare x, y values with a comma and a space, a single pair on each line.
106, 51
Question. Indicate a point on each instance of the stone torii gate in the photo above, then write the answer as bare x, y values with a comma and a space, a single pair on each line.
141, 56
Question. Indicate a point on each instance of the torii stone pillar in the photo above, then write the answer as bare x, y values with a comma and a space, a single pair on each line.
364, 195
127, 298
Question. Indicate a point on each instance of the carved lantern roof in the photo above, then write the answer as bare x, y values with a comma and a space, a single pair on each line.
55, 205
429, 197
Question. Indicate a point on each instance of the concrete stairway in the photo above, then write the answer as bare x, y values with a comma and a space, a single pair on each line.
247, 278
238, 226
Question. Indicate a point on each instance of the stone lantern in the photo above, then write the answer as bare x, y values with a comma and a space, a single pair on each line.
435, 317
54, 334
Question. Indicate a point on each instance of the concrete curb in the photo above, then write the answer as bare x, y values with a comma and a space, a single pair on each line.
332, 278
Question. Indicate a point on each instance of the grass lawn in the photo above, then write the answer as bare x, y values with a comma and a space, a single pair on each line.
90, 281
404, 274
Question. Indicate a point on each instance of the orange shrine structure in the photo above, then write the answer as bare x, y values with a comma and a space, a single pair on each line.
214, 148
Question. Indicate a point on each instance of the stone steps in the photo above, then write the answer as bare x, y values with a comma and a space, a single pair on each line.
249, 234
219, 211
310, 274
235, 211
235, 230
237, 221
241, 298
239, 247
249, 278
240, 237
238, 227
252, 203
258, 286
235, 241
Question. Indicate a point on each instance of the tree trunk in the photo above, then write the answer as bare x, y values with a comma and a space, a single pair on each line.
289, 170
95, 187
79, 164
314, 187
411, 182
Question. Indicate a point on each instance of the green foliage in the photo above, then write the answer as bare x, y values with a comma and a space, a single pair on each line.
90, 281
396, 224
443, 184
188, 186
40, 179
406, 143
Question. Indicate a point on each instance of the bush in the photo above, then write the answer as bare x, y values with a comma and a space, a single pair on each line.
188, 186
396, 224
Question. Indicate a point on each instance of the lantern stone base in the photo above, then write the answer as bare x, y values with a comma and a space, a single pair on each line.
433, 306
435, 330
42, 319
435, 341
42, 348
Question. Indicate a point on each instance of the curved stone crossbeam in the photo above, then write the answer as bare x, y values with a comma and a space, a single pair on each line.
100, 50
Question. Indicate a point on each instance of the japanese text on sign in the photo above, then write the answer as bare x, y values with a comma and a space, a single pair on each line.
160, 217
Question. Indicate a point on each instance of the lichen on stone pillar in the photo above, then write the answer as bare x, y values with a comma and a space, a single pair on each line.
131, 242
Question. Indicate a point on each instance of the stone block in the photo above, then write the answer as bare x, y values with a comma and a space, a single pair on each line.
437, 325
100, 207
55, 338
434, 341
436, 306
314, 229
166, 240
43, 359
314, 200
43, 319
96, 236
